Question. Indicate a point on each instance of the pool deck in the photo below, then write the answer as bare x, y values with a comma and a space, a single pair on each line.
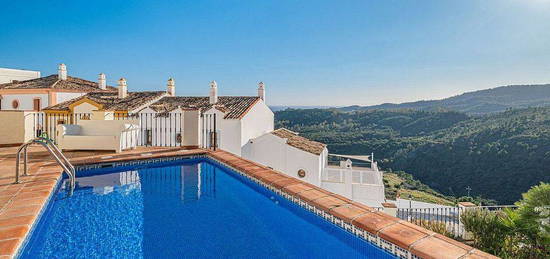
21, 204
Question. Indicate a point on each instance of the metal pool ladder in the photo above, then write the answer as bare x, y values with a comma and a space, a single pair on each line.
54, 151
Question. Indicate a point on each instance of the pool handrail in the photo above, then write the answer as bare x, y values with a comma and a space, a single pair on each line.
54, 151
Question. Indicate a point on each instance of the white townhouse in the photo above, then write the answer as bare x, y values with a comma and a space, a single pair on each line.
235, 119
307, 160
27, 91
228, 122
9, 75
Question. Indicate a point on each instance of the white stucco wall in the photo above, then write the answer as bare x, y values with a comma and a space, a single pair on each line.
62, 97
258, 121
273, 151
229, 131
84, 108
7, 75
19, 129
191, 128
25, 101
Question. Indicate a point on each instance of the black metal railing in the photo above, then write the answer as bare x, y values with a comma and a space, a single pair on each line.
210, 135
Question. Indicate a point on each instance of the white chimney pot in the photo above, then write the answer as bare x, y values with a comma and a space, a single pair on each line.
122, 88
62, 72
171, 87
102, 81
261, 91
213, 92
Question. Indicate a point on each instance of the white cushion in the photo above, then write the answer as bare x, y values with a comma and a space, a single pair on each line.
68, 129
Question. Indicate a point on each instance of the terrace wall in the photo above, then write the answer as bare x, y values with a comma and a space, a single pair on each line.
16, 128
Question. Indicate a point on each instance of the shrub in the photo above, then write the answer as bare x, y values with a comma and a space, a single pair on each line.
520, 233
435, 226
487, 229
533, 219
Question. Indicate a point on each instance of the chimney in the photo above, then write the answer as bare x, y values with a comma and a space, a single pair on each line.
62, 72
102, 82
261, 91
171, 87
213, 92
122, 88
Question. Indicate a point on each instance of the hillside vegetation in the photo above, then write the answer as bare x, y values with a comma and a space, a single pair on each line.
402, 184
499, 156
479, 102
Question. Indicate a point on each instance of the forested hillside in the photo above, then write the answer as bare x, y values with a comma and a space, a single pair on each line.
479, 102
499, 156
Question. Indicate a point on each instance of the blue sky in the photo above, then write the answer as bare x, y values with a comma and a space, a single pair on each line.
307, 52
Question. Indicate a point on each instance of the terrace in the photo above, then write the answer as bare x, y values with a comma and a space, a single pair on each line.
22, 204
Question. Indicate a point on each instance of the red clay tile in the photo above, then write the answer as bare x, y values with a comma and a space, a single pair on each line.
32, 195
327, 203
16, 203
348, 212
9, 247
4, 200
284, 182
435, 248
13, 232
9, 192
338, 196
373, 222
449, 240
296, 188
363, 206
251, 167
402, 235
264, 175
16, 221
476, 254
274, 177
20, 211
41, 188
311, 194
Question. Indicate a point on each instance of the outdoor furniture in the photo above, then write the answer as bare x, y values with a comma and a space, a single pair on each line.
114, 135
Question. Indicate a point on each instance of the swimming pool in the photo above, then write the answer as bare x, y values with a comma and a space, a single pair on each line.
191, 208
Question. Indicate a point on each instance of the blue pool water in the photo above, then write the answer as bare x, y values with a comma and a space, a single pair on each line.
192, 208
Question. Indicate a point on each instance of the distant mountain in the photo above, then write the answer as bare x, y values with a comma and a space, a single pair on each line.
498, 156
477, 103
276, 108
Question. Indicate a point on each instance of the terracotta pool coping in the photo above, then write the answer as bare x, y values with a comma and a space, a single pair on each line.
21, 205
415, 239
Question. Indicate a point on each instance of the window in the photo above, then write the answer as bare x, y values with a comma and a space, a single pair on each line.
36, 104
15, 104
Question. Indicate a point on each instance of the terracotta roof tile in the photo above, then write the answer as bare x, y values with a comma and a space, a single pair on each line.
53, 82
299, 142
234, 107
111, 102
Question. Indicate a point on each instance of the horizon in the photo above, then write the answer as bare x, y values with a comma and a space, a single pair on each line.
307, 53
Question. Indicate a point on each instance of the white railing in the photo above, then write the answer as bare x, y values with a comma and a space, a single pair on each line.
445, 215
333, 175
354, 176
